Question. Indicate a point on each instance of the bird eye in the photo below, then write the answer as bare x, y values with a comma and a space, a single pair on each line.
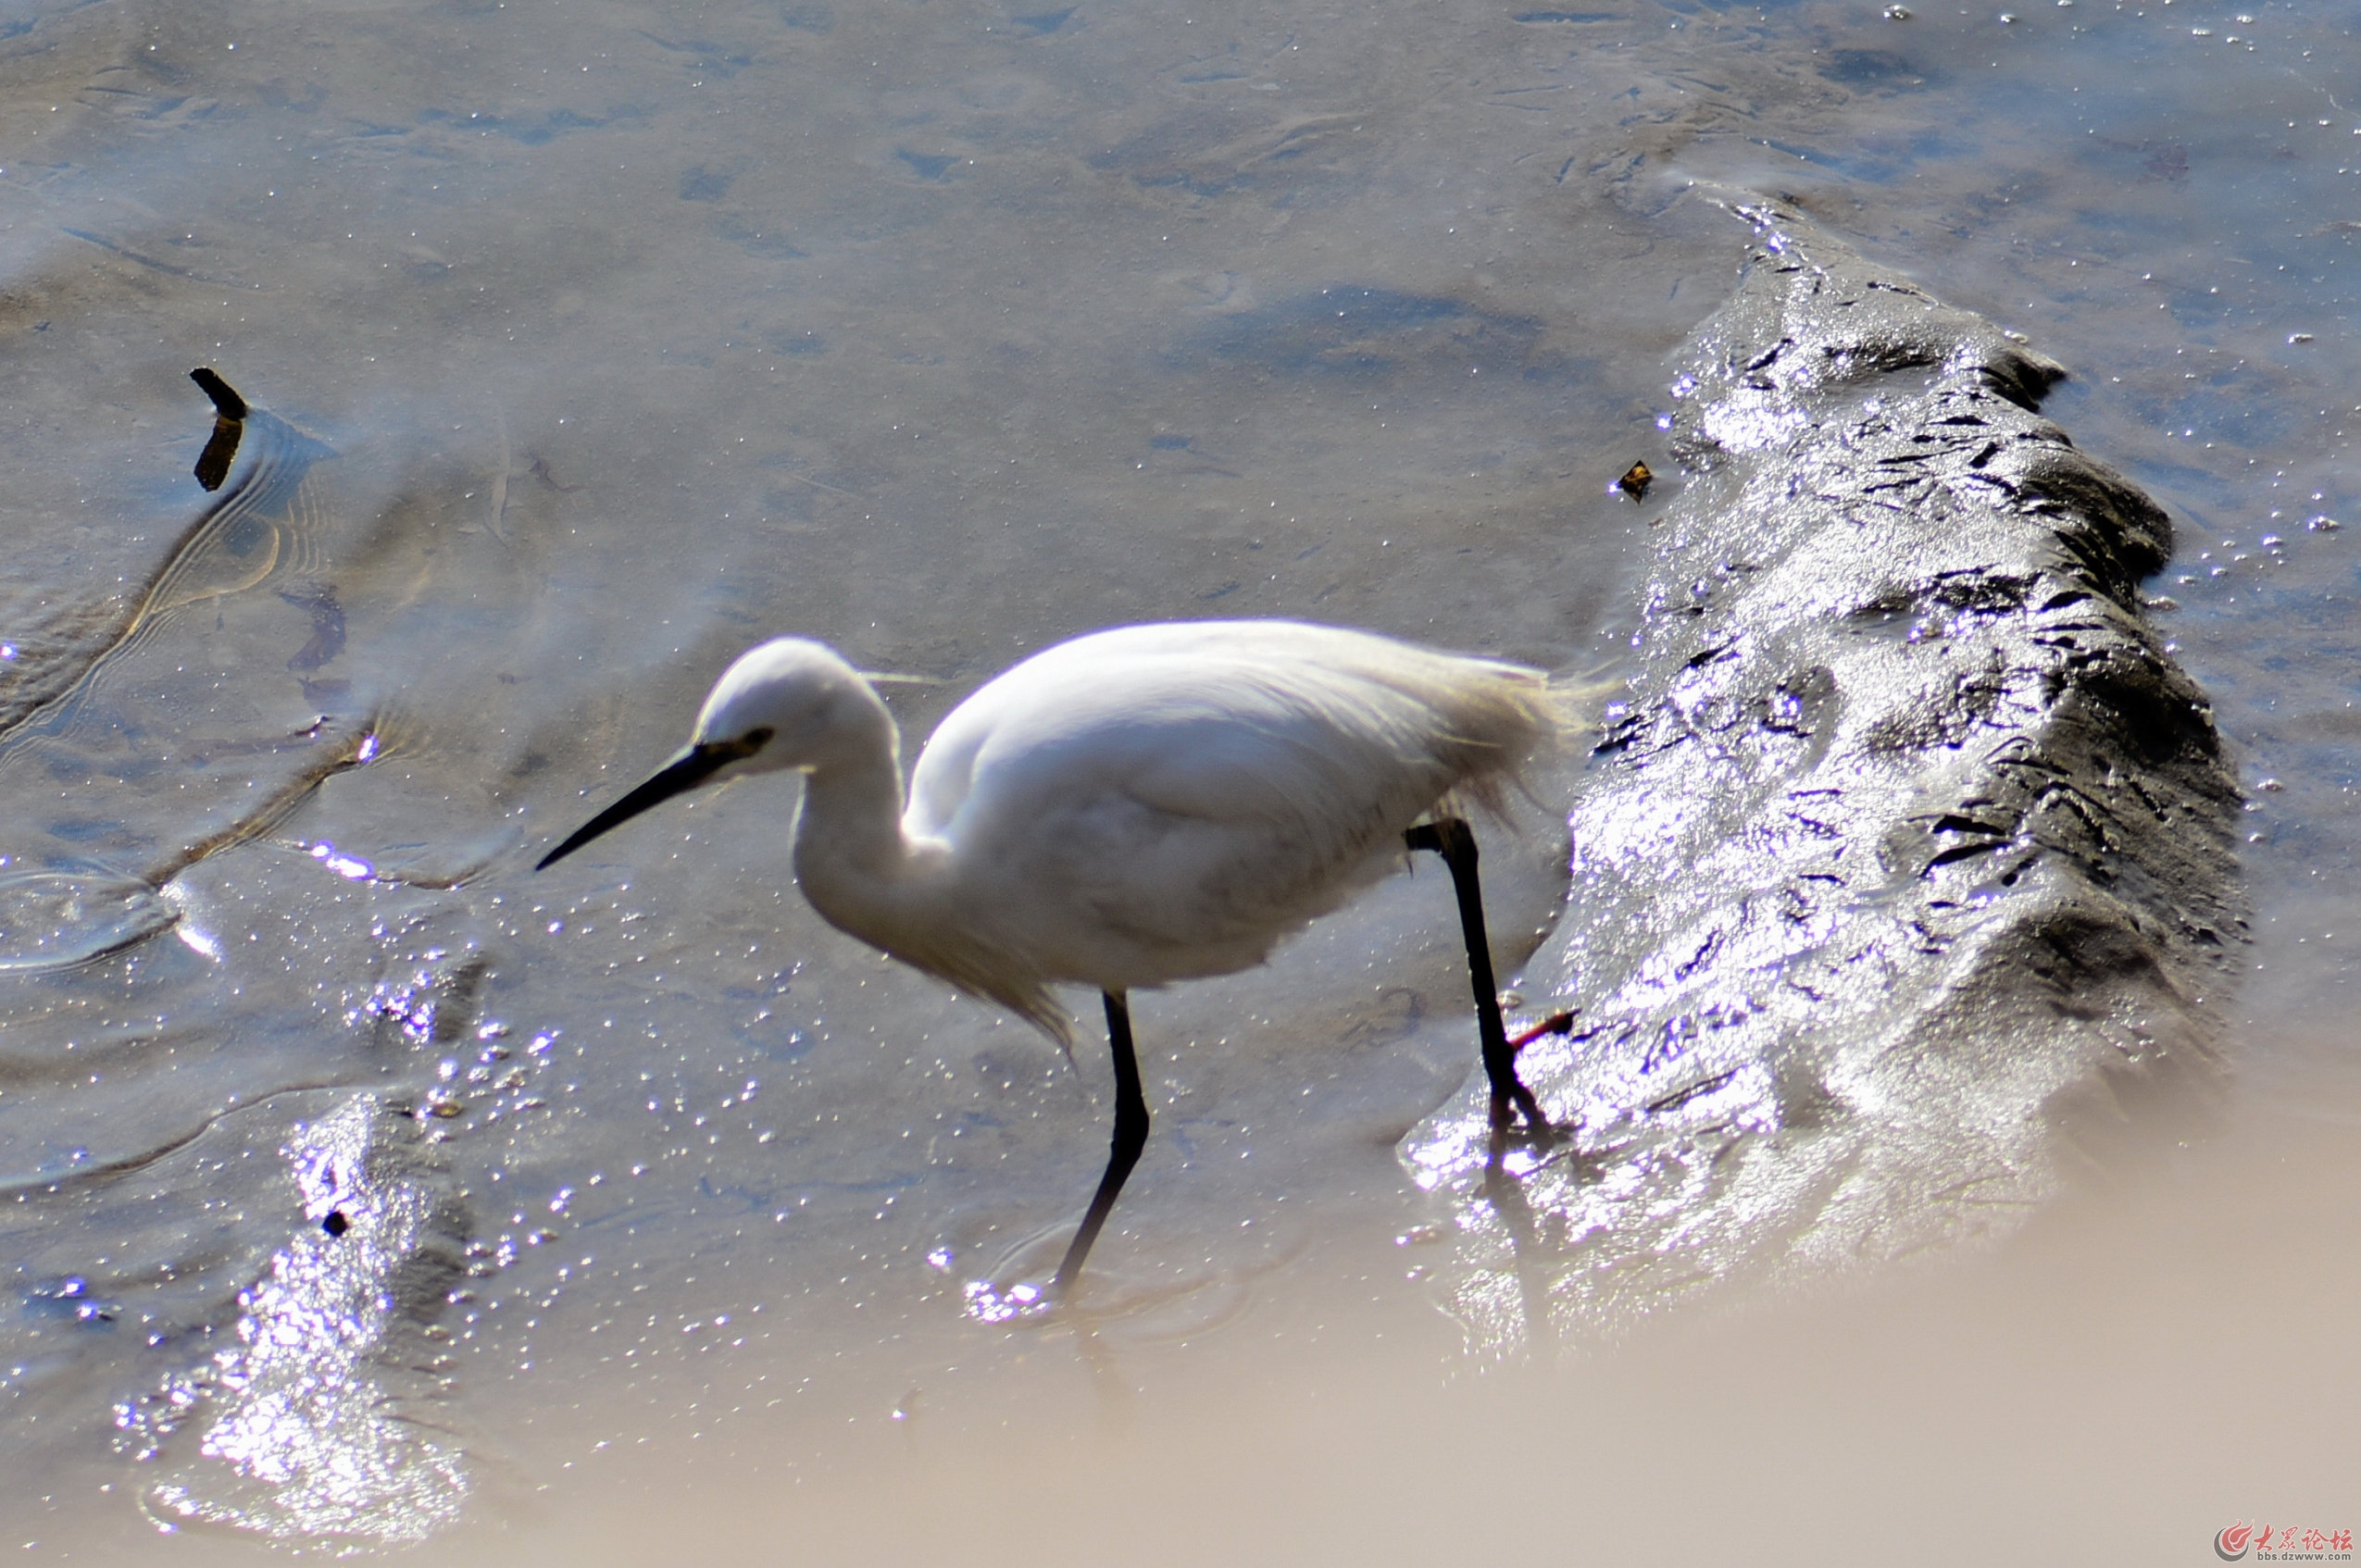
719, 753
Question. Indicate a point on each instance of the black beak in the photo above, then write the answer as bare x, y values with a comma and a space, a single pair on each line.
686, 771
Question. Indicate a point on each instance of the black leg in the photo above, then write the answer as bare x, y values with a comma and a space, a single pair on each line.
1451, 839
1130, 1136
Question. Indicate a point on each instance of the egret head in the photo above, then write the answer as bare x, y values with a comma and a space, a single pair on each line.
788, 704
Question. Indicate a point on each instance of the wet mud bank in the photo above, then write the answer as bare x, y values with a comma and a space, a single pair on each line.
1904, 878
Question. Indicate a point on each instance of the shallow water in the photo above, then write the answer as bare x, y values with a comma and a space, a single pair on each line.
641, 331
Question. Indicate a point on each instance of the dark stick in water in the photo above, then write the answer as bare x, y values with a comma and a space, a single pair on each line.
228, 425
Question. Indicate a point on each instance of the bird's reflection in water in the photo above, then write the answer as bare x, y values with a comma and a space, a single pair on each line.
1529, 1253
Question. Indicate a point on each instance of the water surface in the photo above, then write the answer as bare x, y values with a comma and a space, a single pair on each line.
632, 333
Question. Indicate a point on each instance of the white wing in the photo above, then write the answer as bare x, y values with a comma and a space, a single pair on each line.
1161, 802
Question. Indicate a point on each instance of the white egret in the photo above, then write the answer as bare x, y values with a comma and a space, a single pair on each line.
1133, 807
